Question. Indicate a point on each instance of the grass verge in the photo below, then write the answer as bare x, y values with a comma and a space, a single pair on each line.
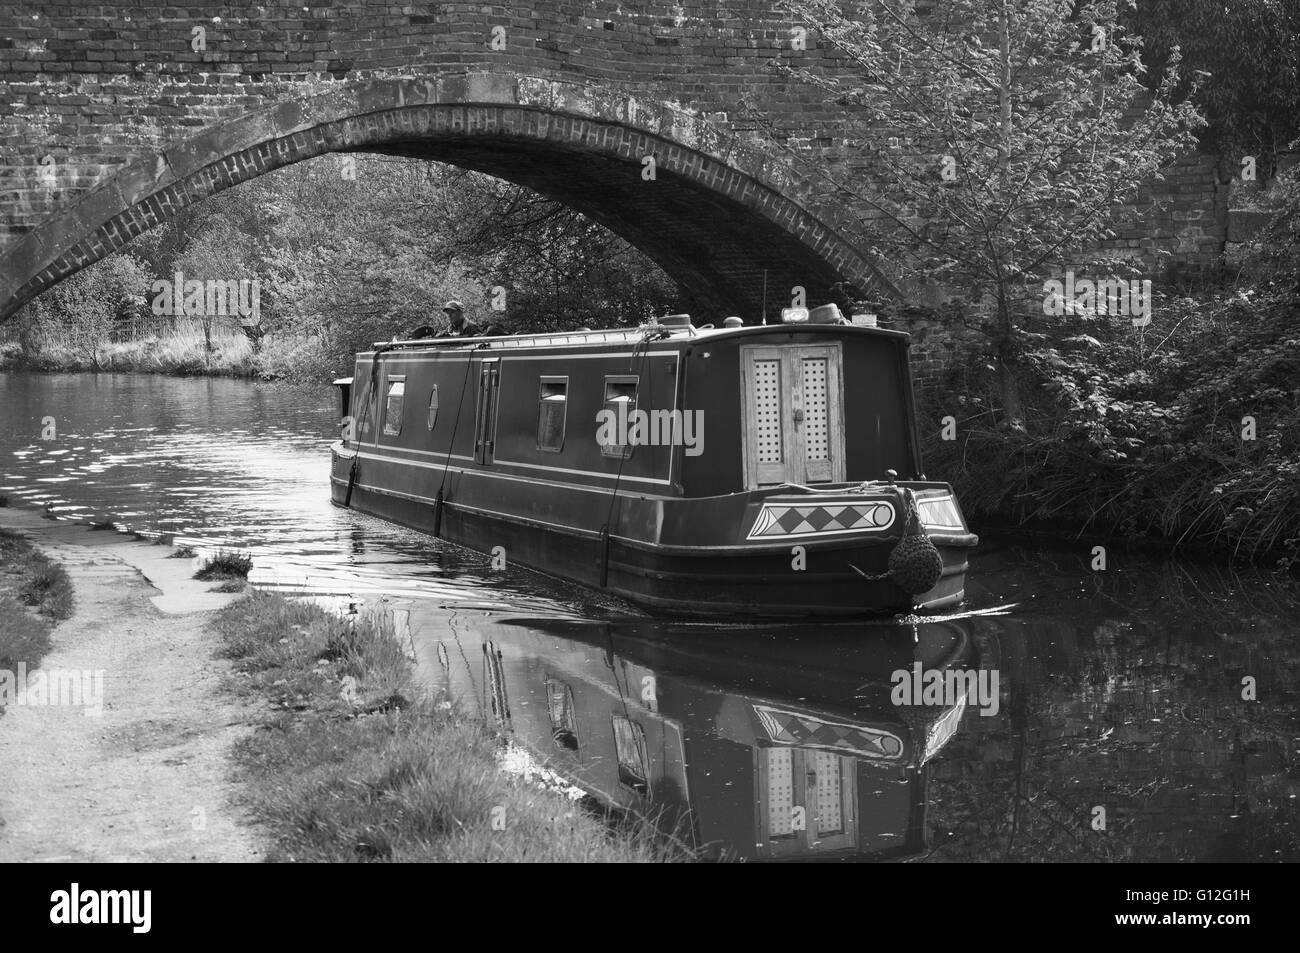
352, 764
226, 565
35, 593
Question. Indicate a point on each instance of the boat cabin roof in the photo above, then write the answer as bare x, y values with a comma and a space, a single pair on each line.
646, 333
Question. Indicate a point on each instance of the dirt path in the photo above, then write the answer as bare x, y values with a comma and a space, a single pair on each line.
149, 779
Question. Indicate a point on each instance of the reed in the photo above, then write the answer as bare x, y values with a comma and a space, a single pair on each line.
183, 351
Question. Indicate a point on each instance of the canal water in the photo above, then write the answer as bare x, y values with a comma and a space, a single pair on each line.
1144, 713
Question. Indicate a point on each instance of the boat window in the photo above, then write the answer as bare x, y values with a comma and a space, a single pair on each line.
485, 410
552, 404
433, 406
393, 407
629, 742
564, 719
365, 410
620, 400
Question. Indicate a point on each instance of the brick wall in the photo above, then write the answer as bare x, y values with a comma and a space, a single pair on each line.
99, 99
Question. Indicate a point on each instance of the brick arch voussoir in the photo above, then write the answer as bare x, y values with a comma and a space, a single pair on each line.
378, 114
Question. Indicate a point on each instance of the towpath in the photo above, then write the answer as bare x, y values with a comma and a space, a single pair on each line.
149, 779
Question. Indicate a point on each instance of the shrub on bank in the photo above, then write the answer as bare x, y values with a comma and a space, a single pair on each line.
293, 359
356, 765
1188, 431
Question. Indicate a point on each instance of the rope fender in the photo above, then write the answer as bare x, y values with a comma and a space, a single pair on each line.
915, 565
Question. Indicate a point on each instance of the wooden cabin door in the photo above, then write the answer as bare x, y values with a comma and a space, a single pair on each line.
485, 416
808, 801
792, 398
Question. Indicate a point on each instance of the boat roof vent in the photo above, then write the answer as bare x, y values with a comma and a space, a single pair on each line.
733, 322
675, 321
826, 314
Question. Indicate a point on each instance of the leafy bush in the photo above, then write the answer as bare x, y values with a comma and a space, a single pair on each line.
1144, 434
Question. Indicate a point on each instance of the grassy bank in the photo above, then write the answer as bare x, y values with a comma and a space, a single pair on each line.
352, 764
35, 594
182, 353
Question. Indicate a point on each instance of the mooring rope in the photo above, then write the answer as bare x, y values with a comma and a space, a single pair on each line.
372, 389
446, 463
643, 345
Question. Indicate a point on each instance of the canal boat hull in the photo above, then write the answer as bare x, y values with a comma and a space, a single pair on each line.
739, 472
800, 575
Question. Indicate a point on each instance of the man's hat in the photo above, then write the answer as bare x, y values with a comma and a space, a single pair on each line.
453, 305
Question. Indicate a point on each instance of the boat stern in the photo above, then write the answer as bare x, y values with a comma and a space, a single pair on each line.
798, 551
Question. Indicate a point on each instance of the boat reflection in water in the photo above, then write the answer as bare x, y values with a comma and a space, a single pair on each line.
781, 743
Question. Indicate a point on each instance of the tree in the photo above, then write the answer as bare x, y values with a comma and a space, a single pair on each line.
1002, 137
352, 249
80, 312
219, 252
1249, 54
561, 270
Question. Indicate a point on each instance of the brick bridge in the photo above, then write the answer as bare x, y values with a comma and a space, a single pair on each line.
111, 122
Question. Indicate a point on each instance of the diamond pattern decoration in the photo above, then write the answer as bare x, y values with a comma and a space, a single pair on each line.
779, 519
808, 731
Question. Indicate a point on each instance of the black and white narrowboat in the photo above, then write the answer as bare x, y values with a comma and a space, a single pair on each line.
738, 471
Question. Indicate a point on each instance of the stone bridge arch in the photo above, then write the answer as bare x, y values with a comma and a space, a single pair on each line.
730, 222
